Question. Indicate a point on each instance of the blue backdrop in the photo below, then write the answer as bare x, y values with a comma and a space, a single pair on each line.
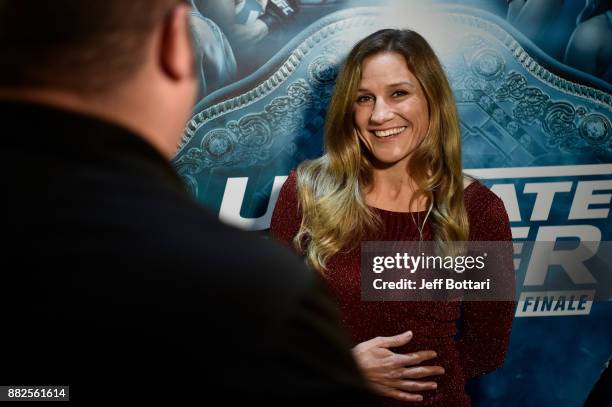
536, 130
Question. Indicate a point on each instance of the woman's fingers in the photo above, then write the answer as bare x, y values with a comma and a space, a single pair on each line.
412, 385
396, 393
418, 372
414, 358
393, 341
403, 396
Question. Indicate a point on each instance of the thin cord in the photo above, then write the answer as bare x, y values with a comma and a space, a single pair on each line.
424, 220
418, 221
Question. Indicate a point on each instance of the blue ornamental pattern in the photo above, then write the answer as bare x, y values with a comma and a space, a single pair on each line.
513, 111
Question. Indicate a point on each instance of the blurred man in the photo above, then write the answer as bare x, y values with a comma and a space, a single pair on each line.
115, 281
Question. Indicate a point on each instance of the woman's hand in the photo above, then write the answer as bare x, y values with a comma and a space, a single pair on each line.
390, 374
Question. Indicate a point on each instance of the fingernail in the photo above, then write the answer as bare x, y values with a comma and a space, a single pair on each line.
409, 333
419, 398
434, 386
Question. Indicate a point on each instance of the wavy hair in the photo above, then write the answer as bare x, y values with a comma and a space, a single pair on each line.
330, 188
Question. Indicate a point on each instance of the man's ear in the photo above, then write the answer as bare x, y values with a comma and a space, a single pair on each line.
176, 53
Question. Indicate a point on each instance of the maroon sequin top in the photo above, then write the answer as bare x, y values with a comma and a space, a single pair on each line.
485, 325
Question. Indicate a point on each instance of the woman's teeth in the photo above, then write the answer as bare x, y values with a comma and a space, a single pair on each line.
390, 132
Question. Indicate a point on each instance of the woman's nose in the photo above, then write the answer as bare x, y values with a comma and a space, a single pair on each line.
381, 112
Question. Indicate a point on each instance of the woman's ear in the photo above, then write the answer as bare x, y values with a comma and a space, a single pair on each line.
176, 52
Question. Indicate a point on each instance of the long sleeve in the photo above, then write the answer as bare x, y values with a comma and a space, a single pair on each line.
486, 325
287, 217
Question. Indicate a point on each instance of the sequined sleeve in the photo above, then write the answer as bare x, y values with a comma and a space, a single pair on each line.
486, 325
287, 217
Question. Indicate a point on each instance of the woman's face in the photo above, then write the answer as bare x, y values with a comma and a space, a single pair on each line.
391, 111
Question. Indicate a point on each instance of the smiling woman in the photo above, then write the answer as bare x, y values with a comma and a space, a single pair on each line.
391, 172
399, 149
391, 112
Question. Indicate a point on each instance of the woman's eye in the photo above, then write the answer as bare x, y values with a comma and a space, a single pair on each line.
399, 93
363, 99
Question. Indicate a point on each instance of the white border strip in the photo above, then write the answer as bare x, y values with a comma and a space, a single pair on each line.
535, 172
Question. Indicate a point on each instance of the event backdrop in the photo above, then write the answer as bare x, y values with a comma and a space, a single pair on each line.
536, 128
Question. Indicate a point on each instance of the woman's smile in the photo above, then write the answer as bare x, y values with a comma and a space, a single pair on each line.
388, 133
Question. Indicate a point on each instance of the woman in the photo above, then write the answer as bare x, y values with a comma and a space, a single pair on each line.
392, 171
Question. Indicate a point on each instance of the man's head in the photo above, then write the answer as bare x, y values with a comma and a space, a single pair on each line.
121, 58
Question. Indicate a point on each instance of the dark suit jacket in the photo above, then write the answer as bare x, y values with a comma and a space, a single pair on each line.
117, 283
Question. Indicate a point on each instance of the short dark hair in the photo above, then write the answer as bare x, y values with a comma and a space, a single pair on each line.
85, 45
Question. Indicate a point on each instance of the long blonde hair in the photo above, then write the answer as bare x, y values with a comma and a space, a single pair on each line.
330, 188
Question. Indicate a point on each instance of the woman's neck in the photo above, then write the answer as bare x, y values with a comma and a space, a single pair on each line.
393, 189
